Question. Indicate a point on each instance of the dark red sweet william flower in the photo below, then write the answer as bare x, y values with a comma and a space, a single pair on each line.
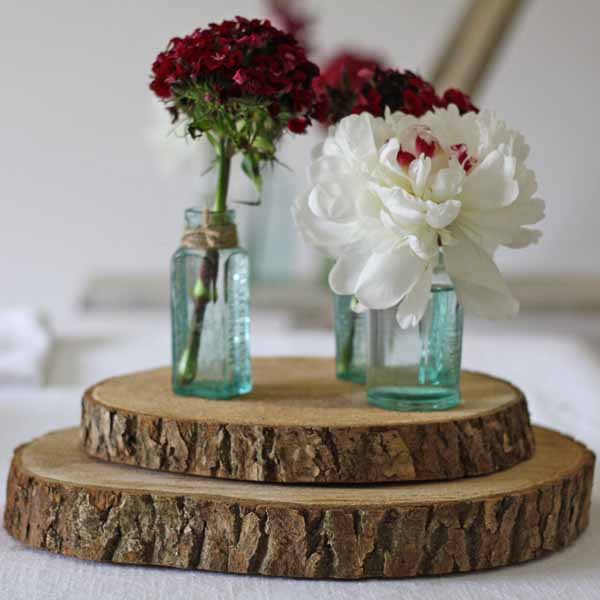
298, 125
241, 58
458, 98
404, 91
352, 88
340, 84
347, 69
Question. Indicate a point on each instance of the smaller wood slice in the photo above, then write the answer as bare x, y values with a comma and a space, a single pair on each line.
61, 500
301, 425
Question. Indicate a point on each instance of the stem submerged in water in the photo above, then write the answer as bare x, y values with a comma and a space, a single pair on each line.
350, 325
347, 352
205, 290
433, 329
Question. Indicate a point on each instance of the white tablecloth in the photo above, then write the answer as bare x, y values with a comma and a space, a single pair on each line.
555, 360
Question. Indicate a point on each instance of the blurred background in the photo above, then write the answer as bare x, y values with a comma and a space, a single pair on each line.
93, 189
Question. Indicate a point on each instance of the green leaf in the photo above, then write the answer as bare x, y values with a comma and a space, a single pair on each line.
251, 166
264, 145
212, 139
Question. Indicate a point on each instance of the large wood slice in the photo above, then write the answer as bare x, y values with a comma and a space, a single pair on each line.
301, 425
61, 500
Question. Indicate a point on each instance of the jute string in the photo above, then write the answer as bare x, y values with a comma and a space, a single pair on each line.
210, 236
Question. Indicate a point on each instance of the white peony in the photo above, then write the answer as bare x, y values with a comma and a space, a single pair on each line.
387, 193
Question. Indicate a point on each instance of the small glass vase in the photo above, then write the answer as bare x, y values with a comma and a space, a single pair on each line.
210, 313
417, 369
350, 341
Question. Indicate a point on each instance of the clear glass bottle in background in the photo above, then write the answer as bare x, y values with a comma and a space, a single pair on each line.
210, 310
417, 369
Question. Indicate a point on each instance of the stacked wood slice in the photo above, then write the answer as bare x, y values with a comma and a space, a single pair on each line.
301, 478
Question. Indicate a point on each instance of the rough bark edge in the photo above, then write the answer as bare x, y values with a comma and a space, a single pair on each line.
447, 450
240, 537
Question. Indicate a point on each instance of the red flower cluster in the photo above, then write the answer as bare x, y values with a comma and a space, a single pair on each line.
402, 91
351, 85
347, 69
460, 99
341, 84
240, 59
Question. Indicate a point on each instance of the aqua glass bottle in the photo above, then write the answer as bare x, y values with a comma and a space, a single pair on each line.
418, 369
350, 340
210, 309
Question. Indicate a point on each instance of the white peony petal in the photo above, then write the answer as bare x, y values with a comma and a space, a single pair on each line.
327, 168
451, 128
331, 201
329, 147
360, 137
387, 278
505, 226
388, 154
524, 237
425, 244
367, 203
493, 132
344, 275
413, 306
390, 171
527, 182
322, 202
447, 183
398, 122
372, 237
391, 225
326, 235
440, 216
419, 171
478, 282
491, 184
404, 207
526, 212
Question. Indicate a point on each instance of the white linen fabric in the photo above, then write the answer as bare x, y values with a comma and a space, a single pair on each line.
24, 346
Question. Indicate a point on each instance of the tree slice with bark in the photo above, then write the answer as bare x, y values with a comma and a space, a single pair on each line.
301, 425
61, 500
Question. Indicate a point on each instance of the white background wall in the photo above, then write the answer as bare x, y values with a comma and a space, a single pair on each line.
79, 187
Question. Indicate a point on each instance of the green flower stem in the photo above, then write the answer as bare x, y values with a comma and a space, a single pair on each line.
188, 363
205, 290
224, 161
347, 352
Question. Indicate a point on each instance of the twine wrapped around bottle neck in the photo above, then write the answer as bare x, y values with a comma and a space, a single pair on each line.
210, 236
